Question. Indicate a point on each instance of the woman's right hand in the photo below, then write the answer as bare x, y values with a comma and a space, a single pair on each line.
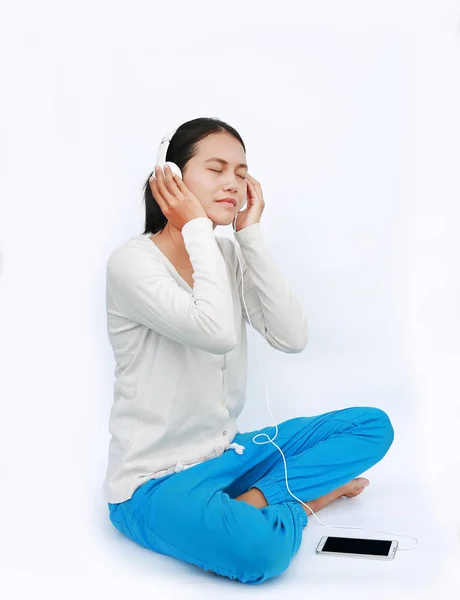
176, 201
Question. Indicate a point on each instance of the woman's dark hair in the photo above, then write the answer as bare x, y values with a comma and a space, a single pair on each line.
182, 148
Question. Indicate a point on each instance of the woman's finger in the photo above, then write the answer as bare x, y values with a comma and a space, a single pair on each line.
157, 194
169, 181
164, 191
180, 184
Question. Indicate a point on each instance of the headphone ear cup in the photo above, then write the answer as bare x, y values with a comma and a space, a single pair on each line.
174, 168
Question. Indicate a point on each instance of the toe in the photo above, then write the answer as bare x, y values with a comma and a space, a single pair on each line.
361, 481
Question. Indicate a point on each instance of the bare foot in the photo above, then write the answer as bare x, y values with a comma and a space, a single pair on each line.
354, 487
349, 490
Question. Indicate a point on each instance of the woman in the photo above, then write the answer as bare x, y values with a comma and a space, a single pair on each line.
181, 479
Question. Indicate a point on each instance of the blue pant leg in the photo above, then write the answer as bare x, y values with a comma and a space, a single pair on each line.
127, 516
188, 516
327, 451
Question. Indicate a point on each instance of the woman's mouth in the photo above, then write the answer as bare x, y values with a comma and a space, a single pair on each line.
226, 203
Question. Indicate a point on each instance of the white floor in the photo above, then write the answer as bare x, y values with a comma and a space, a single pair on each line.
388, 505
71, 549
397, 501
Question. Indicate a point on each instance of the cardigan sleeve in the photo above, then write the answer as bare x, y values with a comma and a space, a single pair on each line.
141, 291
274, 310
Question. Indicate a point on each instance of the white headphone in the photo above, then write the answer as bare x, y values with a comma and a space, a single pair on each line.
161, 162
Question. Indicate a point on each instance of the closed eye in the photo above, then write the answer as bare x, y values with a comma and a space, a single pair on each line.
215, 171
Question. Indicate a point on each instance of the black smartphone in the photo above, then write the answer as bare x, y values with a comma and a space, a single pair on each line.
357, 547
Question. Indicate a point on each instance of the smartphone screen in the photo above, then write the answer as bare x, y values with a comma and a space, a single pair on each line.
357, 546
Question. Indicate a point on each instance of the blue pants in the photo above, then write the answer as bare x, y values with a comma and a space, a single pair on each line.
193, 515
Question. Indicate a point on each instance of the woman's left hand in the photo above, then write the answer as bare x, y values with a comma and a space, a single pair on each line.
255, 205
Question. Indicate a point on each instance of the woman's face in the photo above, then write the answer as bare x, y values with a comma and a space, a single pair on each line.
212, 180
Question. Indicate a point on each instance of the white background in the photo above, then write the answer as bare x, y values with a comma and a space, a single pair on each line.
349, 113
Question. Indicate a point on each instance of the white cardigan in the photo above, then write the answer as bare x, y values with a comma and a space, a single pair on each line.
181, 356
